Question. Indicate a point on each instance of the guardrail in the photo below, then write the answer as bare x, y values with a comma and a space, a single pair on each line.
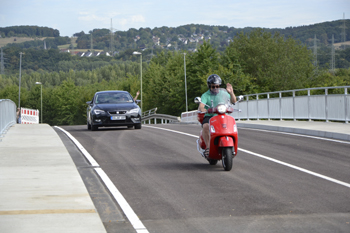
152, 117
189, 117
7, 115
300, 104
149, 112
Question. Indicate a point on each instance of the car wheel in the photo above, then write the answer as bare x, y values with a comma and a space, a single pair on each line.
94, 127
138, 126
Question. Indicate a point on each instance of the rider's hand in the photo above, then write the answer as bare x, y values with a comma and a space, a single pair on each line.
229, 88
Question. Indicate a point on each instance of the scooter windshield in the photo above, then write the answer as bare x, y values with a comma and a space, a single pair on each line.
219, 96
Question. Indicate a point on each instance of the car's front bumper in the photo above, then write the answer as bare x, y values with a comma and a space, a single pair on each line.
106, 120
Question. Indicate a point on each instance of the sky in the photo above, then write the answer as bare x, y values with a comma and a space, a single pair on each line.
72, 16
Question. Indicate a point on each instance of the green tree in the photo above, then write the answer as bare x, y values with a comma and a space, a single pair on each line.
274, 62
199, 66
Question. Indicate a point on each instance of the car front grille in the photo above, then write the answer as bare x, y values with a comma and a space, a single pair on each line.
117, 112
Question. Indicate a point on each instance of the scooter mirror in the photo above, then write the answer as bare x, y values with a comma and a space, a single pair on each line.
197, 100
240, 98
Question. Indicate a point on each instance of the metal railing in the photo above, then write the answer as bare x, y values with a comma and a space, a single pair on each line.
7, 115
319, 106
151, 117
301, 104
149, 112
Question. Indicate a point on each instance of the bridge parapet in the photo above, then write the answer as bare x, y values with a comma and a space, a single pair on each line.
7, 115
160, 118
300, 104
151, 117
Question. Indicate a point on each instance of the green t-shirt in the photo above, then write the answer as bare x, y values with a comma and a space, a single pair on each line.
222, 97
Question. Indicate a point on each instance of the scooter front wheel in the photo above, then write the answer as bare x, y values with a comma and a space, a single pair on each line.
227, 158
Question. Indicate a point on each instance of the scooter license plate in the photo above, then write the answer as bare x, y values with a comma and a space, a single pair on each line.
113, 118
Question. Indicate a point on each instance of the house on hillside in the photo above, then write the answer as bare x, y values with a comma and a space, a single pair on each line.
88, 54
156, 40
80, 54
183, 40
64, 50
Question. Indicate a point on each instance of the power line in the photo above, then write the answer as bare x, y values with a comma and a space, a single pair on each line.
343, 34
332, 55
112, 38
2, 62
315, 51
92, 46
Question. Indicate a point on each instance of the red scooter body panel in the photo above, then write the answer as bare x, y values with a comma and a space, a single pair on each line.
226, 142
225, 135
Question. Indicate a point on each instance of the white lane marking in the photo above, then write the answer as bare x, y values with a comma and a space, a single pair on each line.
298, 135
128, 211
297, 168
271, 159
135, 221
170, 130
80, 147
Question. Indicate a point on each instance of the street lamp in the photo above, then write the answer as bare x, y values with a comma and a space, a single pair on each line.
41, 95
185, 80
19, 81
138, 53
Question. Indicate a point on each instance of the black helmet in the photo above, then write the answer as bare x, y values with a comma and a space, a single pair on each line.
213, 79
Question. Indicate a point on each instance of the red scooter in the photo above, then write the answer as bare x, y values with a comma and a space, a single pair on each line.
223, 131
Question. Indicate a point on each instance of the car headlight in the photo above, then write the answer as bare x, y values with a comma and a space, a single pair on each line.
134, 110
221, 108
98, 111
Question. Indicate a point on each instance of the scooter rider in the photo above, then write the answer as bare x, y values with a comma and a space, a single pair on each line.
214, 83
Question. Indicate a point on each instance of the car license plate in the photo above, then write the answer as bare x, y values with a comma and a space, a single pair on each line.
118, 118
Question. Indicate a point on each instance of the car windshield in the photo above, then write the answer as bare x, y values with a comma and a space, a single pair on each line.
113, 98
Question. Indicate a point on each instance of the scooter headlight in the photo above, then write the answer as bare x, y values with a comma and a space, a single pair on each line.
222, 109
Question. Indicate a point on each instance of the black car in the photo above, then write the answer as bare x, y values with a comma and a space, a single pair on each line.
113, 108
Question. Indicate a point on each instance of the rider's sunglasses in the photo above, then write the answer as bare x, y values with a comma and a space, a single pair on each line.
213, 87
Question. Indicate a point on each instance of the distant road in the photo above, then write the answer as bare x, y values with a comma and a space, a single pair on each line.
172, 188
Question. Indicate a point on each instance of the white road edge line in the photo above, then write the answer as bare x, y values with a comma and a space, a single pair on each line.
124, 205
270, 159
80, 147
135, 221
298, 135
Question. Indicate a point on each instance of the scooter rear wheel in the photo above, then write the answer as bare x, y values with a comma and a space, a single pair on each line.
227, 158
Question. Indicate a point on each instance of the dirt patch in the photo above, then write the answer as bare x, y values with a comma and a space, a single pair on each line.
337, 45
8, 40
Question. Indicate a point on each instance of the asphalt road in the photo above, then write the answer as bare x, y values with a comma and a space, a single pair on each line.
172, 188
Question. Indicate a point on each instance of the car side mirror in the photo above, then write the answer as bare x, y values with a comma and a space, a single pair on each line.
197, 100
89, 102
138, 101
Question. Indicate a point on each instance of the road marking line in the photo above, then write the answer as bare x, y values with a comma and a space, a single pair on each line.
299, 135
124, 205
81, 148
270, 159
296, 167
133, 218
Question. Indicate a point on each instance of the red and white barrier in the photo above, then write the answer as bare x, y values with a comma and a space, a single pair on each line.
29, 116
